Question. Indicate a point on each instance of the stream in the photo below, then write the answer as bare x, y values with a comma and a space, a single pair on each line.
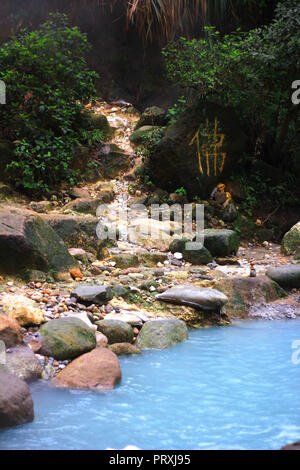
233, 387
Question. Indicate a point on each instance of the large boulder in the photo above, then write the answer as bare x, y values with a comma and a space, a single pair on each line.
26, 242
76, 231
162, 333
112, 161
22, 362
23, 310
291, 240
87, 205
98, 370
124, 349
16, 405
206, 133
88, 295
221, 242
285, 276
200, 297
66, 338
244, 292
116, 331
200, 256
9, 331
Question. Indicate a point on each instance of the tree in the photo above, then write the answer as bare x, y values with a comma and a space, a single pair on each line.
251, 71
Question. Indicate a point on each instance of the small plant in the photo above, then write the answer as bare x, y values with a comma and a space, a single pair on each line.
176, 111
181, 191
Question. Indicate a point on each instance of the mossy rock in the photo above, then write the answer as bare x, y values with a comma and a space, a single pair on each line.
139, 135
201, 256
162, 333
221, 242
99, 121
153, 116
116, 331
66, 338
291, 240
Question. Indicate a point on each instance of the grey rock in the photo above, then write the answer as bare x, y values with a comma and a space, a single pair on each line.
88, 295
22, 362
200, 297
162, 333
285, 276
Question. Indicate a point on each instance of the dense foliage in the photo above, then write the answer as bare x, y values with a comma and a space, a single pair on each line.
47, 81
253, 72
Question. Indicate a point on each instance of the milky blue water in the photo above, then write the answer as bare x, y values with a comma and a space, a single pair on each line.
234, 387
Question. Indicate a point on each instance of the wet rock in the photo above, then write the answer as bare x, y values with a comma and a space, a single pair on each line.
124, 349
113, 161
22, 310
221, 242
9, 331
97, 370
285, 276
193, 296
22, 362
291, 240
116, 331
66, 338
26, 242
162, 333
88, 295
16, 405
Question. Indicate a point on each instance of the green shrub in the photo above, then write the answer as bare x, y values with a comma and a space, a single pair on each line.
47, 82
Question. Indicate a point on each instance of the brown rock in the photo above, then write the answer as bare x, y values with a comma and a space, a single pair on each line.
35, 344
101, 339
76, 273
9, 331
98, 369
121, 349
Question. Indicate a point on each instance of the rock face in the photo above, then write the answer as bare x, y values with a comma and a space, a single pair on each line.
202, 256
16, 405
285, 276
291, 240
181, 157
22, 362
116, 331
9, 331
22, 310
124, 349
88, 295
221, 242
187, 294
162, 333
66, 338
244, 292
98, 369
26, 242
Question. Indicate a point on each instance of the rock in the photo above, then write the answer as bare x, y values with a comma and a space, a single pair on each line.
76, 231
82, 316
26, 242
16, 405
66, 338
175, 161
153, 116
140, 134
221, 242
244, 292
116, 331
22, 310
76, 273
79, 193
193, 296
80, 255
112, 161
34, 275
85, 205
124, 349
98, 369
88, 295
285, 276
99, 121
120, 291
101, 339
125, 261
152, 233
162, 333
22, 362
294, 446
129, 318
291, 240
41, 206
201, 256
9, 331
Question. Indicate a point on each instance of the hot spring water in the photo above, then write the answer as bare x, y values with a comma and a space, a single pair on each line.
234, 387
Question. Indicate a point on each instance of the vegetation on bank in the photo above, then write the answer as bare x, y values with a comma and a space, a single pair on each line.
48, 82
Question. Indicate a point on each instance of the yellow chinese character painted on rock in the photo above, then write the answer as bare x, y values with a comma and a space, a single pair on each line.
210, 151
